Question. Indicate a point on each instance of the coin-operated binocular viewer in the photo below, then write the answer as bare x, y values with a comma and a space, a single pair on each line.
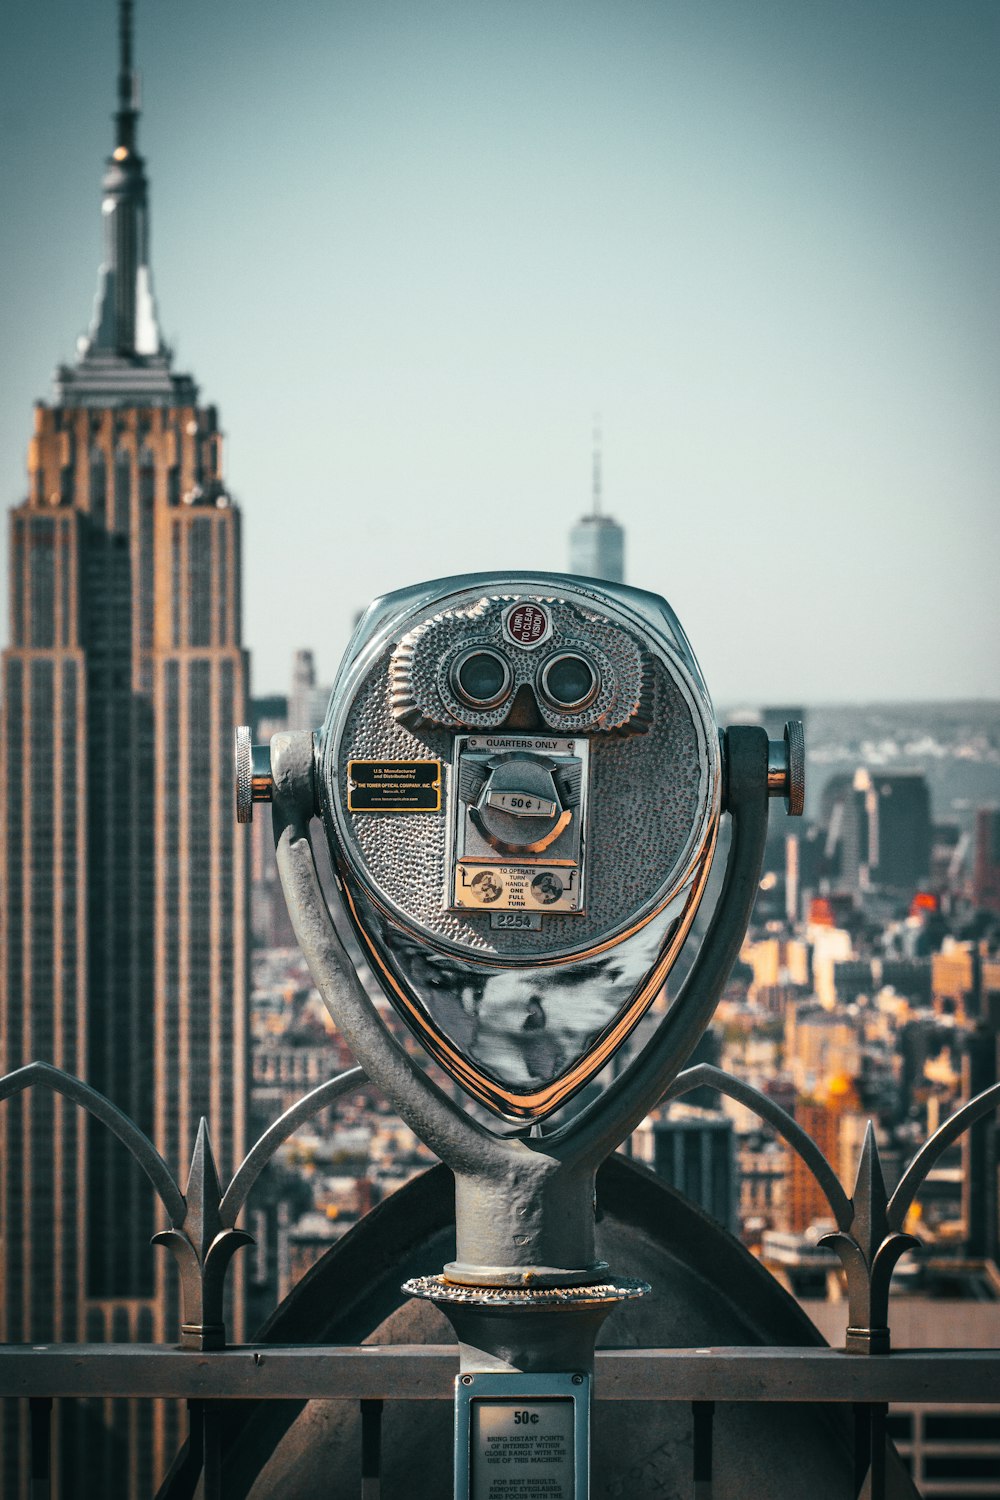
521, 781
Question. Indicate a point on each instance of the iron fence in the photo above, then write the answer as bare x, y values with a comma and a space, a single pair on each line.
866, 1375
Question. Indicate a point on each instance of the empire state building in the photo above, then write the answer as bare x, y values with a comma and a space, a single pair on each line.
123, 877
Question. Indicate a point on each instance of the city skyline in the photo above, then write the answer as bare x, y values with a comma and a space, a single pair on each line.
412, 250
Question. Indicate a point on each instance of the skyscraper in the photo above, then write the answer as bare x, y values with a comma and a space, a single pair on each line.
123, 926
308, 699
898, 805
597, 543
694, 1150
879, 831
986, 860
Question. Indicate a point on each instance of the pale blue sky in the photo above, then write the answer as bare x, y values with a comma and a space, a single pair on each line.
409, 247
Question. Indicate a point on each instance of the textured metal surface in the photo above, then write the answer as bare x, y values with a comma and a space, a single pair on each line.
622, 825
440, 1289
525, 1029
253, 773
243, 758
645, 795
795, 742
653, 796
423, 692
522, 1203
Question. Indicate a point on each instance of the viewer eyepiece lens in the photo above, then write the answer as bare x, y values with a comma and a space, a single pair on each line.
481, 678
569, 682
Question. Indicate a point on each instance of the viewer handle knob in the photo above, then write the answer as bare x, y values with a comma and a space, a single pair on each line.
786, 768
253, 774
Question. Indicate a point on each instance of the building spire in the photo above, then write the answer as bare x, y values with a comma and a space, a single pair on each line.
122, 357
597, 542
127, 114
124, 325
596, 481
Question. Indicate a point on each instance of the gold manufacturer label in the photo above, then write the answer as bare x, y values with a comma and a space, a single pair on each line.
393, 786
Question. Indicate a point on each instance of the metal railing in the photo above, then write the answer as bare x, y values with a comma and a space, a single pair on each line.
373, 1375
203, 1236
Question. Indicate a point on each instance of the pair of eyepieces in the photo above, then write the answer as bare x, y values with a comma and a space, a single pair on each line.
566, 680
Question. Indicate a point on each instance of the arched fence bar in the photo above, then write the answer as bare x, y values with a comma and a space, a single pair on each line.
203, 1235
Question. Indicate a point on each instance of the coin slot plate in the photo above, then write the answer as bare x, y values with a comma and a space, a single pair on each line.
547, 882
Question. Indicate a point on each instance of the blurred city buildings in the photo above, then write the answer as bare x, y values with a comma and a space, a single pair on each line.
123, 938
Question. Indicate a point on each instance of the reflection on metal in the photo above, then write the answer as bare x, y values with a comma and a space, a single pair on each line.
522, 1041
531, 1029
523, 1024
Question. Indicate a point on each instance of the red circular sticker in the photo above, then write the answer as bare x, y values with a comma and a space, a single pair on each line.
527, 624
